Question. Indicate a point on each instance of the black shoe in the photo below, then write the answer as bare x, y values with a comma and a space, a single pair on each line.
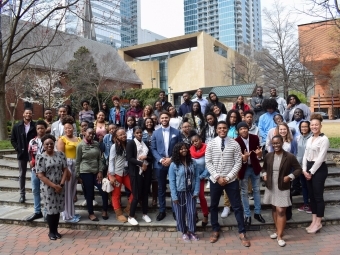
57, 235
22, 199
161, 216
259, 218
247, 221
174, 215
52, 236
295, 193
34, 216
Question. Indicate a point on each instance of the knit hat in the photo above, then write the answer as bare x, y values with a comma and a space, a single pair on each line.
242, 124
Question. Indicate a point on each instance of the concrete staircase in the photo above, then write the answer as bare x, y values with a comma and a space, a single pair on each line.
13, 212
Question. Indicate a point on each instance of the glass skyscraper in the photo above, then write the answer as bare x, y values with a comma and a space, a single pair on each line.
236, 23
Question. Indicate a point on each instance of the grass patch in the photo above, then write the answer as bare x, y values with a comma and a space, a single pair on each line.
6, 144
334, 142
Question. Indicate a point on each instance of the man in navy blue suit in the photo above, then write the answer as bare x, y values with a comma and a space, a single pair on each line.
162, 143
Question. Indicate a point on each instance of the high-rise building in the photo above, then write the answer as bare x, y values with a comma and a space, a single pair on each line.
236, 23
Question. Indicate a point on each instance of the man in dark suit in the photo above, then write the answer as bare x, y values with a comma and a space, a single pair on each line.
23, 132
251, 154
162, 143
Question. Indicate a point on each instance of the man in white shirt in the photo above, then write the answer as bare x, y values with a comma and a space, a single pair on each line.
57, 128
281, 102
203, 102
223, 161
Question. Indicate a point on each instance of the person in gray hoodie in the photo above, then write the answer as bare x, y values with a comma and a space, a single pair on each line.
306, 133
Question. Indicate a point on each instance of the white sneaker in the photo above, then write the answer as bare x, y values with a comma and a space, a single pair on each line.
95, 203
84, 203
226, 212
208, 185
132, 221
281, 242
273, 236
146, 218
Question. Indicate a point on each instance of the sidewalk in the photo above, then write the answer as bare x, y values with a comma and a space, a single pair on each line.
27, 240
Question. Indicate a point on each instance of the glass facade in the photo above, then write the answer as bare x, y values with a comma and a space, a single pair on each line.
233, 22
115, 21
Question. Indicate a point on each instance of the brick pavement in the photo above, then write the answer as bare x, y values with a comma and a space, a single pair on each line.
25, 240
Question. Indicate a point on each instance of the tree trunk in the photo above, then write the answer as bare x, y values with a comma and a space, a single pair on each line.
3, 124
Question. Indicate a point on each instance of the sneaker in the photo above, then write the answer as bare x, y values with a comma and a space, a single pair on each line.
281, 242
185, 237
132, 221
194, 237
73, 220
226, 212
77, 216
302, 208
308, 209
146, 218
273, 236
250, 196
208, 185
95, 203
84, 203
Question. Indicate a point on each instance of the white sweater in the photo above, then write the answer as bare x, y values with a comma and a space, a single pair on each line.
223, 164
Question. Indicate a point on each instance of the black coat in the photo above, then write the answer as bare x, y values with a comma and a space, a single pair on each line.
20, 140
131, 157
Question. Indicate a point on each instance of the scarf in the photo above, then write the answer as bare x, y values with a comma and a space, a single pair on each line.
198, 153
142, 150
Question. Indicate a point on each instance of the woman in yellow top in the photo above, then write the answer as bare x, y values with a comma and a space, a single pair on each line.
68, 144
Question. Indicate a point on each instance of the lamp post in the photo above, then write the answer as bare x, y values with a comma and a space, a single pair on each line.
170, 94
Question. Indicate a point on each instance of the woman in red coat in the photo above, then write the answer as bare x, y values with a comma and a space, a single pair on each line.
240, 105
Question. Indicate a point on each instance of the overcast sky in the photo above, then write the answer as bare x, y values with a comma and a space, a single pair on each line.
166, 17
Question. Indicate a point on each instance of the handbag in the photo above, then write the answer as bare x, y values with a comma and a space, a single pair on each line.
106, 185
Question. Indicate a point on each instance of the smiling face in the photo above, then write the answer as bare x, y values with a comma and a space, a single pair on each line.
315, 126
49, 145
68, 129
222, 130
216, 110
277, 144
210, 120
147, 111
62, 112
283, 131
89, 134
298, 114
259, 91
243, 132
121, 135
273, 92
27, 115
100, 117
164, 120
248, 118
158, 106
304, 128
84, 126
149, 124
112, 128
183, 151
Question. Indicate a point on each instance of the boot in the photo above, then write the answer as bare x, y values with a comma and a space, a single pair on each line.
120, 216
127, 208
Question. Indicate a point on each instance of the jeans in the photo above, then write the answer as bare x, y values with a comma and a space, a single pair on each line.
36, 192
233, 191
255, 181
304, 189
162, 174
90, 180
22, 176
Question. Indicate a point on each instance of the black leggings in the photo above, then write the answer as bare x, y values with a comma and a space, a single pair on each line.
316, 187
53, 221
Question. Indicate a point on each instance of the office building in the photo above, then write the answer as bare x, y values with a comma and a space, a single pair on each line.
235, 23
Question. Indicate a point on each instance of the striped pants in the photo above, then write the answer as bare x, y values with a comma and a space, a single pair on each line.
185, 209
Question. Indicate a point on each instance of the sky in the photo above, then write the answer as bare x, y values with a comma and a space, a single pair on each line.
166, 17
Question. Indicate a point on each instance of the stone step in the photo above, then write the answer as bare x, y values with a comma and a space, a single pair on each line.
18, 214
332, 197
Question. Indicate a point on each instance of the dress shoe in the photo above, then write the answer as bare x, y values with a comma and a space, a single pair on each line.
52, 236
259, 218
247, 221
22, 199
295, 193
244, 240
161, 216
34, 216
57, 235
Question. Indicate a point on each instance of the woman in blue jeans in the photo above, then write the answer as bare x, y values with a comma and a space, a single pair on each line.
184, 184
89, 168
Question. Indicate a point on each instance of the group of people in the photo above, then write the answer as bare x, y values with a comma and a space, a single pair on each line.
143, 149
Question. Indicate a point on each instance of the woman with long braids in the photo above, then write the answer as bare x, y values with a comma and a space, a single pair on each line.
118, 173
51, 168
209, 131
195, 117
184, 182
233, 118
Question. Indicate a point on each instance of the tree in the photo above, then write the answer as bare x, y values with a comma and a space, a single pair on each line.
335, 80
89, 78
278, 59
21, 21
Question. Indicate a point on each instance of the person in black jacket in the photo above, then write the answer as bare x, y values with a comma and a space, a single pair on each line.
162, 98
23, 132
139, 158
214, 101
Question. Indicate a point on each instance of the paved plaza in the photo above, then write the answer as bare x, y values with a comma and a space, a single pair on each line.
25, 240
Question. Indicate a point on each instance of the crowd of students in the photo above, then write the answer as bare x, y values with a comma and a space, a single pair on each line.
202, 145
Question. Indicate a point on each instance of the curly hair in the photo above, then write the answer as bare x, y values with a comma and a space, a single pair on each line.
296, 99
269, 104
238, 117
41, 122
120, 145
176, 156
144, 126
45, 137
67, 120
316, 116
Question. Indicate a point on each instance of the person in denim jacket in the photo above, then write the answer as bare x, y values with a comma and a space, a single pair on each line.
184, 186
